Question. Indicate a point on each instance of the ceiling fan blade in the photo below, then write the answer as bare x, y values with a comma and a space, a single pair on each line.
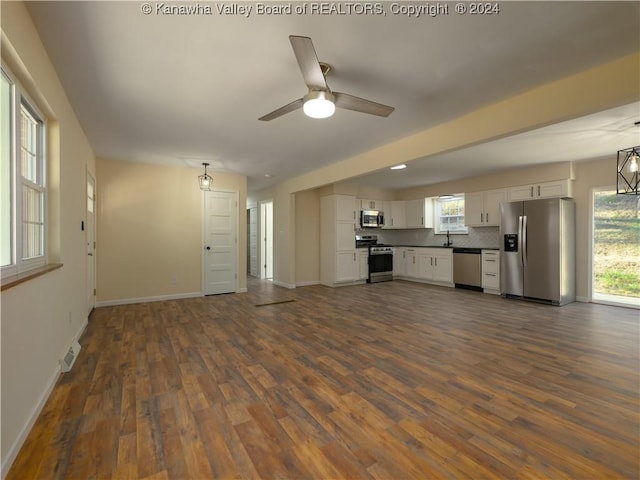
349, 102
308, 61
295, 105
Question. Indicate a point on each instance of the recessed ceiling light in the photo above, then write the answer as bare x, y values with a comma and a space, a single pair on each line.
399, 167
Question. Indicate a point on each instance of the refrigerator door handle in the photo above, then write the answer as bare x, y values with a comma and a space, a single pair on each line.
521, 260
524, 241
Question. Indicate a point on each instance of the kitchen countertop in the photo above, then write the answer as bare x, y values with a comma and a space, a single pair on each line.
442, 246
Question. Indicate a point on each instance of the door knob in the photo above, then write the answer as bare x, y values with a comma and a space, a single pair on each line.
208, 248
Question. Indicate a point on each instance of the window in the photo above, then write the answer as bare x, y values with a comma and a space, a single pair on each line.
22, 187
450, 214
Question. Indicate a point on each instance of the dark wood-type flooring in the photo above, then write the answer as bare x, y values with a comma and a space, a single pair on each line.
388, 381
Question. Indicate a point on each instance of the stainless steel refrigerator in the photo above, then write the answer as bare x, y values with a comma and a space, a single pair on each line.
537, 251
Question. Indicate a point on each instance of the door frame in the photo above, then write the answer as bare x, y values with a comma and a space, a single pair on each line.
203, 238
263, 255
90, 236
590, 252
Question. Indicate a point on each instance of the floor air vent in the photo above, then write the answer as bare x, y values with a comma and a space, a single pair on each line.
70, 357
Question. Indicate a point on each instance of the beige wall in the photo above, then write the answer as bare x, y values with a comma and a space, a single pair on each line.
588, 175
307, 237
41, 317
149, 220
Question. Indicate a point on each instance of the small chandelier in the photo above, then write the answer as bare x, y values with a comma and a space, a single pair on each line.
205, 180
627, 166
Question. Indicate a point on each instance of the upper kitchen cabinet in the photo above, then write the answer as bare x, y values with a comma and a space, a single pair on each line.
559, 188
345, 208
419, 213
408, 214
395, 214
482, 209
370, 204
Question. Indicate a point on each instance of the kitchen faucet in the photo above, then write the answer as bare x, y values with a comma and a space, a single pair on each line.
448, 243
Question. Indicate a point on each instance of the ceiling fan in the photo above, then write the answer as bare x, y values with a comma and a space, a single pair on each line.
321, 102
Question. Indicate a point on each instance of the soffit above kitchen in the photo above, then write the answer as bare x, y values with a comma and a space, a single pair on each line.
180, 89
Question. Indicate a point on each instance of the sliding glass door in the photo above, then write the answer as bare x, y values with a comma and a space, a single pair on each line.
616, 248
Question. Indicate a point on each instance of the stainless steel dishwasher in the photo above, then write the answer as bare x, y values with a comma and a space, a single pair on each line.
467, 268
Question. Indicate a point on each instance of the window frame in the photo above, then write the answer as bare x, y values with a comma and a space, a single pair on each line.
463, 230
19, 184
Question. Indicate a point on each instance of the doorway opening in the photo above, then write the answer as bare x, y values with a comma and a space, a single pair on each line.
615, 251
266, 240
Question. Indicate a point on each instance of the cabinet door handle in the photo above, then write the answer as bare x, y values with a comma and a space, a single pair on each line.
436, 261
480, 218
490, 274
431, 258
486, 217
489, 260
538, 190
421, 220
354, 257
414, 260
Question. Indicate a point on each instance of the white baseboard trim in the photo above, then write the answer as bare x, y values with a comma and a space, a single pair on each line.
242, 290
159, 298
283, 284
582, 299
308, 284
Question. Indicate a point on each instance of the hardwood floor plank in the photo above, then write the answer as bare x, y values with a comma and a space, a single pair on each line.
386, 381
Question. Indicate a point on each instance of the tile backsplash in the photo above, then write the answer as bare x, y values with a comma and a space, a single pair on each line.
483, 237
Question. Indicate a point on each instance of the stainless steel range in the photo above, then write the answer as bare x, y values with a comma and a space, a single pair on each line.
380, 258
380, 263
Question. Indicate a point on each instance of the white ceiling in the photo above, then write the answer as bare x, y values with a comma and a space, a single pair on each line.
187, 89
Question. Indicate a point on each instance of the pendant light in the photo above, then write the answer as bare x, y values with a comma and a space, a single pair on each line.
627, 166
205, 180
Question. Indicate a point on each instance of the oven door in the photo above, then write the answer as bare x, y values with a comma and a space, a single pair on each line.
380, 267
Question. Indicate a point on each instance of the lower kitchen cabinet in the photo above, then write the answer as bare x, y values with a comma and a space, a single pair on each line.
491, 271
363, 259
346, 267
433, 265
399, 262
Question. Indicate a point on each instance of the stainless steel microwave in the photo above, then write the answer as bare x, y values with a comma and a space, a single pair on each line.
371, 219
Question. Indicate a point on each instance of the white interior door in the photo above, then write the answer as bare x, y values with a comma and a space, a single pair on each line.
91, 243
253, 241
220, 242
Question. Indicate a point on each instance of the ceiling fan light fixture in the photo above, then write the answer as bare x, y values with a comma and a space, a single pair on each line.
319, 104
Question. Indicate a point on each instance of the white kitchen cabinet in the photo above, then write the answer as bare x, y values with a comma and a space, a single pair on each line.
370, 204
419, 213
491, 271
339, 262
399, 262
443, 266
363, 263
482, 209
345, 208
435, 265
411, 268
394, 214
559, 188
